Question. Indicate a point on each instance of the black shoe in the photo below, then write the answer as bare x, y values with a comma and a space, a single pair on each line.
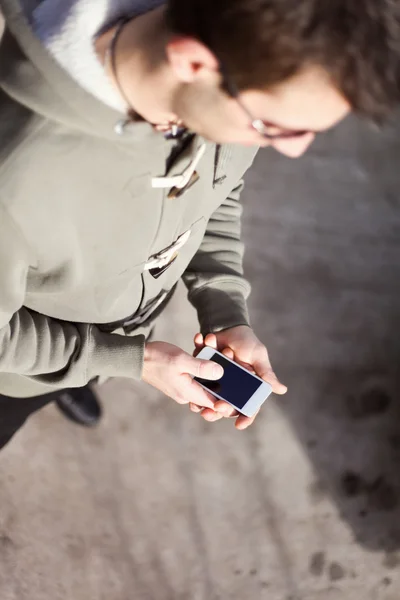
80, 405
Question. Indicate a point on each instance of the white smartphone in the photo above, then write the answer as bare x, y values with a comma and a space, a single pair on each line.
240, 388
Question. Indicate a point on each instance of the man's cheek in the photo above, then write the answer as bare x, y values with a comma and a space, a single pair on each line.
296, 147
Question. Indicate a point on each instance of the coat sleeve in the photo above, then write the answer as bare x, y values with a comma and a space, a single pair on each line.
51, 351
214, 278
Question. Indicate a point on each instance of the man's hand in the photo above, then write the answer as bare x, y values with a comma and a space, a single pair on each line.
242, 345
168, 368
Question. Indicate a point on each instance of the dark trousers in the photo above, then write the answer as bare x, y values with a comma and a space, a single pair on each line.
15, 411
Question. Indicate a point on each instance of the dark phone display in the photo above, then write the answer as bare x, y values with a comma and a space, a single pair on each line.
236, 386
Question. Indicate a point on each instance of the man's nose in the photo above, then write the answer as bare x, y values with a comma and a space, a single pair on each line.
294, 147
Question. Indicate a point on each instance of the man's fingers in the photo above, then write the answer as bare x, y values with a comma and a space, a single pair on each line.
193, 393
243, 422
228, 352
277, 387
198, 341
211, 415
204, 369
207, 413
224, 408
264, 370
211, 340
221, 408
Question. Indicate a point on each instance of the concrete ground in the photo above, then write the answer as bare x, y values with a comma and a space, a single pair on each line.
156, 504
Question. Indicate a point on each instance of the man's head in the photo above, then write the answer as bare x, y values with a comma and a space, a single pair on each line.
298, 65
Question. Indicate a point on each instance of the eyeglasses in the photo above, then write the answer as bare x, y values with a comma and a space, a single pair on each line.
262, 127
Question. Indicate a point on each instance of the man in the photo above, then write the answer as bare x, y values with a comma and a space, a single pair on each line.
126, 129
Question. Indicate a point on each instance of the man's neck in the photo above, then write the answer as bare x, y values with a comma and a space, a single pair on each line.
141, 73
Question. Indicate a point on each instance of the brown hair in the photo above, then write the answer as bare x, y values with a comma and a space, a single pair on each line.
263, 42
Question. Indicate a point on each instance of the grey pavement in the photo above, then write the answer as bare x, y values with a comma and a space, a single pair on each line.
156, 504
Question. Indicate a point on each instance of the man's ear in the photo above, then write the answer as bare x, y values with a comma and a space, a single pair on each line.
191, 60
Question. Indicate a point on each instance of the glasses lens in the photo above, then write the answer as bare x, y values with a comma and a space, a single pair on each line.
273, 132
260, 126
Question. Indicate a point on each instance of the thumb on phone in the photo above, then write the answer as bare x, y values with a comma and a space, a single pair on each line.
204, 369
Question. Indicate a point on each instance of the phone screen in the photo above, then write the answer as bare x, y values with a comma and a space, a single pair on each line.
236, 386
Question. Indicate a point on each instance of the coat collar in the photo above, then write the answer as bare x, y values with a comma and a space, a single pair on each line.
31, 75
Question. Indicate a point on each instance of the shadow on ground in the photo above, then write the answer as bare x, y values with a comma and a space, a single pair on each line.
326, 287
